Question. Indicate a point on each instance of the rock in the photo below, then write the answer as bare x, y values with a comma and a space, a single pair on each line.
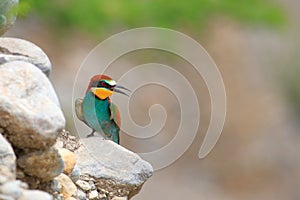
8, 13
35, 195
8, 157
93, 194
69, 159
55, 186
14, 49
12, 188
102, 196
119, 198
105, 159
92, 184
116, 170
68, 187
44, 165
29, 108
3, 179
85, 186
67, 141
80, 195
70, 198
59, 144
75, 174
6, 197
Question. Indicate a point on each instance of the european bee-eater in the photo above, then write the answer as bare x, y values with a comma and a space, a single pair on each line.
96, 109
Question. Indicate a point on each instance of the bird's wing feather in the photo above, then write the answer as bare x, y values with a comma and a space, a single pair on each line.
78, 109
115, 114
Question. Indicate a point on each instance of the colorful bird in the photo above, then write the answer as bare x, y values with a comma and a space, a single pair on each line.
96, 109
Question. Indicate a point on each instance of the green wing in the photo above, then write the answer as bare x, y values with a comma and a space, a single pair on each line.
115, 114
78, 110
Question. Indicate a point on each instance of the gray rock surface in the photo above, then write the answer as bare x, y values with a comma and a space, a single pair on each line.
75, 174
29, 109
8, 13
44, 165
80, 195
12, 189
13, 49
68, 187
104, 159
35, 195
85, 186
7, 157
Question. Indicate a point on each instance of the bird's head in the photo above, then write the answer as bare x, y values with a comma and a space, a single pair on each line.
103, 86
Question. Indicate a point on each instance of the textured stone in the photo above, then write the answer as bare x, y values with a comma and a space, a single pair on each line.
29, 108
6, 174
70, 198
93, 194
115, 170
55, 186
68, 187
7, 157
105, 159
75, 174
85, 186
6, 197
67, 141
44, 165
8, 13
35, 195
69, 159
12, 188
14, 49
119, 198
80, 195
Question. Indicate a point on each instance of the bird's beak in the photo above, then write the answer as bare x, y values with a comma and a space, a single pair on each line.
118, 87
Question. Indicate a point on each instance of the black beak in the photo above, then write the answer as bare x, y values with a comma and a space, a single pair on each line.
120, 91
122, 87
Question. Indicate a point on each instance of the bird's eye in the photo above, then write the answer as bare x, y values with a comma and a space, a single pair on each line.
103, 84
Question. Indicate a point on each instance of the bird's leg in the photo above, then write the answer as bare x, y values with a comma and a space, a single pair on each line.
91, 134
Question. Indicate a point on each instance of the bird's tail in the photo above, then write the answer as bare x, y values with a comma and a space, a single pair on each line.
116, 138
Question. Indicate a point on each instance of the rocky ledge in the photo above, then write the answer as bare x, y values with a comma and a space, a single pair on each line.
39, 160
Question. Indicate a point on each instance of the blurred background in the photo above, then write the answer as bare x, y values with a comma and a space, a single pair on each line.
256, 47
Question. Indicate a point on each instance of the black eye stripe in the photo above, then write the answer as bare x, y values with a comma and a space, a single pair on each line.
103, 84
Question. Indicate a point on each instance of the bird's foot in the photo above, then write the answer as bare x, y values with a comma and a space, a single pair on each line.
91, 134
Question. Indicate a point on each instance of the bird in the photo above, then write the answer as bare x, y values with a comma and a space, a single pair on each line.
97, 110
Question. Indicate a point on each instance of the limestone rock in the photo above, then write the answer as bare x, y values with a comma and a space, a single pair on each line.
7, 157
67, 141
69, 159
44, 165
85, 186
80, 195
68, 187
12, 189
8, 13
55, 186
35, 195
119, 198
70, 198
6, 197
75, 174
105, 159
93, 194
116, 170
29, 108
14, 49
